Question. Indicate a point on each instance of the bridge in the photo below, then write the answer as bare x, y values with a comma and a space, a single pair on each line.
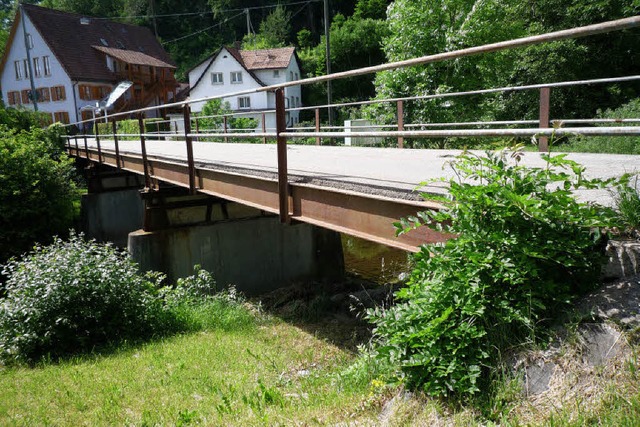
359, 191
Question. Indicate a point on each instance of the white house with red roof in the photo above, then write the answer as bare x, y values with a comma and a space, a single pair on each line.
231, 70
71, 61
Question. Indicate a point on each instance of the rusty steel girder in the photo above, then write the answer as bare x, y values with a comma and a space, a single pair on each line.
366, 216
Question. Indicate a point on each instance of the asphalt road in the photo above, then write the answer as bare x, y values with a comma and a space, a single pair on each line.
390, 172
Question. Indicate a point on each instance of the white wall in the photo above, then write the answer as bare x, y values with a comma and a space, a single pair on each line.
58, 77
224, 63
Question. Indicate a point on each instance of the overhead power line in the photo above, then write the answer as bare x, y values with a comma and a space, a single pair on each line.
204, 29
171, 15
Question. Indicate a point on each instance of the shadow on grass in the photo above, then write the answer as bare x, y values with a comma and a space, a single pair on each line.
334, 312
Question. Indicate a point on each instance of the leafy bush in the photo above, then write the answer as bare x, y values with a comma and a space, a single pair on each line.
610, 144
37, 189
195, 304
627, 205
525, 249
73, 296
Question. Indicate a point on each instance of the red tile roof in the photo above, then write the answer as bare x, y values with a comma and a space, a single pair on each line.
71, 37
133, 57
263, 59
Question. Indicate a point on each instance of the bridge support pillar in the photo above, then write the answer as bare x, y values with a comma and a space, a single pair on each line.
112, 208
240, 246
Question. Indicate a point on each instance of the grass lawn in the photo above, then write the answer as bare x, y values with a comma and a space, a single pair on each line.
270, 374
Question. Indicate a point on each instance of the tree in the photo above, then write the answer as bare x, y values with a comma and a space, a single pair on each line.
37, 189
423, 27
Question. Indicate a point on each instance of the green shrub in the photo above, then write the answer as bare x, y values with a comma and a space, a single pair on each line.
74, 296
610, 144
627, 204
195, 304
525, 249
38, 195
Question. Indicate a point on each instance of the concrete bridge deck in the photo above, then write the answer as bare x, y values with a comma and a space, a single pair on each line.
356, 190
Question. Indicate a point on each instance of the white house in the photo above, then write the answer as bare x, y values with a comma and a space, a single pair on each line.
232, 70
76, 60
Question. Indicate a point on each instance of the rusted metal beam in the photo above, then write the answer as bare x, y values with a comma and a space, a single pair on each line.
545, 97
189, 143
318, 139
367, 216
400, 123
143, 148
114, 127
283, 184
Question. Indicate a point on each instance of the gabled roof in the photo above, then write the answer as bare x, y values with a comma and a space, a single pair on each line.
133, 57
264, 59
72, 37
253, 60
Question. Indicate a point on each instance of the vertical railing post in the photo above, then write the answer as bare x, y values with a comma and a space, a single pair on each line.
77, 149
143, 146
97, 135
86, 146
197, 125
189, 142
264, 127
318, 139
400, 123
224, 124
545, 96
114, 128
283, 181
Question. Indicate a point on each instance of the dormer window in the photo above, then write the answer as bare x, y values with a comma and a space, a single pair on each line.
104, 42
84, 21
119, 44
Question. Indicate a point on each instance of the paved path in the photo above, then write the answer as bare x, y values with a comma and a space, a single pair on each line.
385, 171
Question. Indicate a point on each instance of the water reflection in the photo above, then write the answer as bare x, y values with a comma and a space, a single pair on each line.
375, 262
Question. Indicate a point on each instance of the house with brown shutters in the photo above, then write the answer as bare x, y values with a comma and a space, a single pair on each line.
65, 63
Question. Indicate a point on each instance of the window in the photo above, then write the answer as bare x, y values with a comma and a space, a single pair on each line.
297, 77
244, 102
61, 116
47, 66
85, 92
26, 98
37, 71
18, 69
58, 93
236, 77
216, 78
290, 75
14, 98
298, 101
29, 41
276, 73
43, 94
25, 63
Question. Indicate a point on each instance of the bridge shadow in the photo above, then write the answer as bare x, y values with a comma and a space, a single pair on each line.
334, 312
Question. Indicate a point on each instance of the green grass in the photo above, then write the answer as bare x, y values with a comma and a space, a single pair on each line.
246, 368
273, 374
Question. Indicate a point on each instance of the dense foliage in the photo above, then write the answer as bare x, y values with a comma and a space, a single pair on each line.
77, 296
419, 28
610, 144
74, 296
525, 249
38, 193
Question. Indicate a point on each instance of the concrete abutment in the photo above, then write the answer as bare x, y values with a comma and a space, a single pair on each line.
170, 231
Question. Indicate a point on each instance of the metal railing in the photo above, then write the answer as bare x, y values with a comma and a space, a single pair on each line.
537, 128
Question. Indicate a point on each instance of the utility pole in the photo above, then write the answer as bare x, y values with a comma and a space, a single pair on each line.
152, 4
34, 94
328, 55
248, 21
